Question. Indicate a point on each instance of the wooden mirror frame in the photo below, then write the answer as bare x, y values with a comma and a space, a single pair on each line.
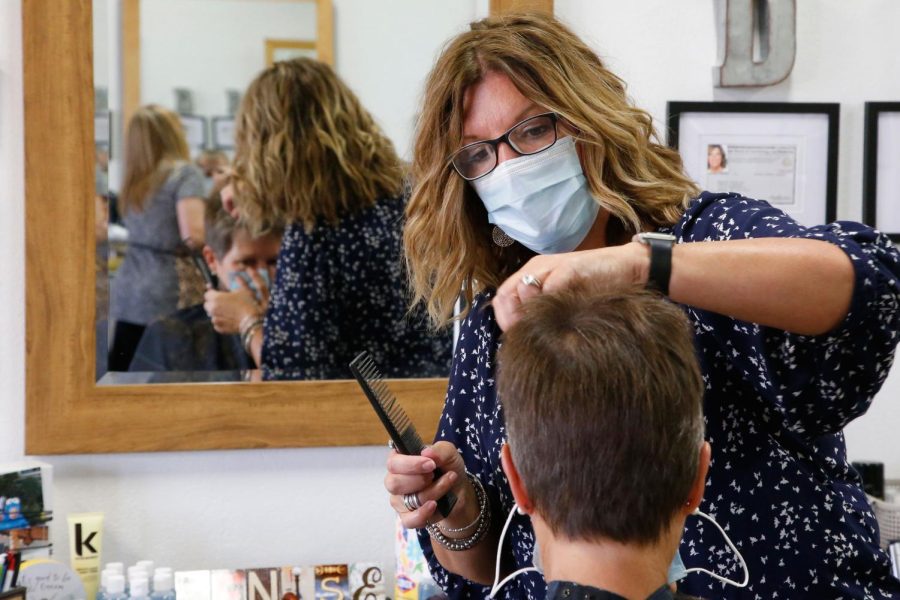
67, 412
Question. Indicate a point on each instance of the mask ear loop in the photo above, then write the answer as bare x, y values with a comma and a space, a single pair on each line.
497, 585
737, 553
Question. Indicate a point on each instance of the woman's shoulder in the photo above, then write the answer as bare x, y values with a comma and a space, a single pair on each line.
727, 215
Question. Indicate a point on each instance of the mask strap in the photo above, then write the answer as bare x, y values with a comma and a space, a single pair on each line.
737, 553
497, 585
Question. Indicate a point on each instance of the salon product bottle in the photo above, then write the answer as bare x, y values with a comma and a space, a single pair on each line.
115, 588
163, 585
148, 566
116, 567
135, 572
103, 591
140, 589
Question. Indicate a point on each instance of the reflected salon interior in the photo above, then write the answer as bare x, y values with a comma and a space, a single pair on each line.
414, 299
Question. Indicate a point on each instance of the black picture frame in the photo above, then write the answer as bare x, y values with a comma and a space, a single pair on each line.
190, 122
677, 109
221, 127
873, 111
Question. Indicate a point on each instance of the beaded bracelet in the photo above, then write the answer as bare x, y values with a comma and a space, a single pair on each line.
484, 523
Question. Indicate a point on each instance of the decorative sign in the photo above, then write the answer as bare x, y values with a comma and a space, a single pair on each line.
768, 25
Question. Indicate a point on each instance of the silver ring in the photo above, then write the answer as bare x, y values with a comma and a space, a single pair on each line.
391, 445
411, 502
529, 279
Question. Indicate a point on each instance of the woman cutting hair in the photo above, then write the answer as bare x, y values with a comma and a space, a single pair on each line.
309, 155
554, 176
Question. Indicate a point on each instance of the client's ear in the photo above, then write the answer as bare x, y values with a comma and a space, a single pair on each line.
210, 257
515, 481
696, 495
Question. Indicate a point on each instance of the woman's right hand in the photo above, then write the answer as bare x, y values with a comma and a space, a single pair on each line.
415, 475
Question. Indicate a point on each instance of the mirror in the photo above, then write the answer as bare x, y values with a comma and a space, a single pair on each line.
66, 411
196, 58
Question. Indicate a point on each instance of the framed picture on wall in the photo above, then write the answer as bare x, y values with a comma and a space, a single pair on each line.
103, 130
784, 153
194, 130
223, 133
881, 167
279, 50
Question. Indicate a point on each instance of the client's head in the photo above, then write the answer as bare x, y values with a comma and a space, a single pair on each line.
230, 248
602, 397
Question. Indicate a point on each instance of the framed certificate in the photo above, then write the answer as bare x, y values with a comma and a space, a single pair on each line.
103, 130
194, 130
784, 153
223, 133
881, 167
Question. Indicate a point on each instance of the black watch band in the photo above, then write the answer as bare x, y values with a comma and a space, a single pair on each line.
660, 260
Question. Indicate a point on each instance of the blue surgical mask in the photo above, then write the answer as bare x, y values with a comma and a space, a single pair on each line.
234, 285
542, 200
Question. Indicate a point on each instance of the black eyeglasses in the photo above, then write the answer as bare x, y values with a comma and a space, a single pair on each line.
534, 134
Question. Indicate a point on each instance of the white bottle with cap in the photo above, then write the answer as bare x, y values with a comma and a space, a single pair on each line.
115, 587
163, 585
116, 567
140, 589
136, 572
102, 592
148, 567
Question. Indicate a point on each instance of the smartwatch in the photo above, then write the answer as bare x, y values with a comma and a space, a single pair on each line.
660, 259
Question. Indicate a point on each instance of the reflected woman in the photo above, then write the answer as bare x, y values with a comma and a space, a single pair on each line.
309, 155
162, 205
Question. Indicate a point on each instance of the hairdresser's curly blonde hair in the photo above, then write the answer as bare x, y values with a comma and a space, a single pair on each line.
305, 149
629, 172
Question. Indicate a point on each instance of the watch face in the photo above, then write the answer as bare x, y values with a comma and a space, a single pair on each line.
650, 235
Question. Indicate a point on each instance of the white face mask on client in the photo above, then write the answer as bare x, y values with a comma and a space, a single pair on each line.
541, 200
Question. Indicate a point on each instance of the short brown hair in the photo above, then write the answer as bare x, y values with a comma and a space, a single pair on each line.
220, 225
602, 396
306, 149
630, 173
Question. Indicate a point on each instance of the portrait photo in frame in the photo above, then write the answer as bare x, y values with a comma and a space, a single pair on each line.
881, 167
781, 152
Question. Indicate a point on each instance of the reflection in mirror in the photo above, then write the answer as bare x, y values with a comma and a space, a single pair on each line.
163, 157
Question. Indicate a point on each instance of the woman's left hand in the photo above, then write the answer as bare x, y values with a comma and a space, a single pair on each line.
613, 268
228, 309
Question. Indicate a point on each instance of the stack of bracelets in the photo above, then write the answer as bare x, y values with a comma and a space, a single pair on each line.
247, 328
481, 524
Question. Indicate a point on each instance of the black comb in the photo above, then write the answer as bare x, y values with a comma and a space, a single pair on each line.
395, 420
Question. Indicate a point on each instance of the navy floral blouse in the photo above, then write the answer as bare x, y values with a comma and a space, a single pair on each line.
341, 289
775, 403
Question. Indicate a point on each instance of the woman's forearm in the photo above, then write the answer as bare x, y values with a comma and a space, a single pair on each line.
476, 564
799, 285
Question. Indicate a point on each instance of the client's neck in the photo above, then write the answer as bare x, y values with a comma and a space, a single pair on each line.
631, 571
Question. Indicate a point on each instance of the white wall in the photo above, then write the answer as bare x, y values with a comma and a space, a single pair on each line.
209, 46
240, 508
666, 50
